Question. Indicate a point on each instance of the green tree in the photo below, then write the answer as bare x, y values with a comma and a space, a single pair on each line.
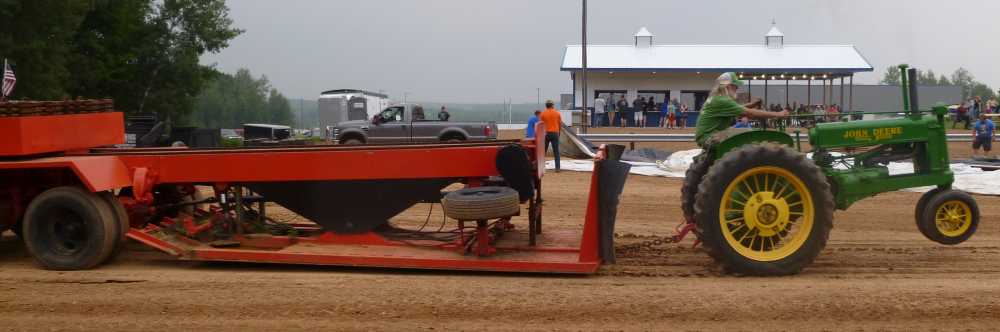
143, 53
961, 77
230, 101
981, 90
36, 36
926, 77
278, 108
943, 80
891, 76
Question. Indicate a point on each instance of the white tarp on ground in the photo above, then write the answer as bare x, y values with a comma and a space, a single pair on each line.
967, 178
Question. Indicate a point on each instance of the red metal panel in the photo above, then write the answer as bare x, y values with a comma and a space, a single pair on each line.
266, 165
98, 173
538, 263
28, 135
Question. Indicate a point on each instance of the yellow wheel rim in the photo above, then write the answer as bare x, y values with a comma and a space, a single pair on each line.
953, 218
766, 213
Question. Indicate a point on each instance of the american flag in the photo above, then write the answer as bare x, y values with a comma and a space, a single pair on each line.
8, 79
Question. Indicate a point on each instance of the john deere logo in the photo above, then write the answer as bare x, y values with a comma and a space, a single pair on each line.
875, 133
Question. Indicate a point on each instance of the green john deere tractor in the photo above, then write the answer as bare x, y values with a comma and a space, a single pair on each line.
762, 207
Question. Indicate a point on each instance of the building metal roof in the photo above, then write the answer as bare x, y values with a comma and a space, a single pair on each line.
332, 93
797, 59
643, 32
774, 32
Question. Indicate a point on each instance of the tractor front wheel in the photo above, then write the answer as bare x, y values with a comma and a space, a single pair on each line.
764, 209
949, 217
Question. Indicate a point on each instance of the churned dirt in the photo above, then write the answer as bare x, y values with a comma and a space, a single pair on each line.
877, 273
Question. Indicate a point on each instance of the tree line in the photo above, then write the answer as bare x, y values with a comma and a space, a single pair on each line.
142, 53
961, 77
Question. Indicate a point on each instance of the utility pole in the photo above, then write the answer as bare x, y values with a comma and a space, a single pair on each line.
583, 114
539, 100
301, 101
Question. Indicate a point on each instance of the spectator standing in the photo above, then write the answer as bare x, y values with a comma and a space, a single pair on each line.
599, 104
683, 109
961, 115
529, 132
976, 108
671, 115
553, 124
637, 106
742, 122
983, 131
622, 109
612, 110
664, 110
444, 115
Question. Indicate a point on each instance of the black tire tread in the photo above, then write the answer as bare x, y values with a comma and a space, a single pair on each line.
735, 162
461, 205
693, 177
122, 219
927, 221
102, 213
918, 211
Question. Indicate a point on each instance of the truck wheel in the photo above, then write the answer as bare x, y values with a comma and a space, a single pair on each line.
764, 209
692, 178
69, 228
352, 141
481, 203
121, 220
918, 211
950, 217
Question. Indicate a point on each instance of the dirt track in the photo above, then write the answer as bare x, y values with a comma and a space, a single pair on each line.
877, 273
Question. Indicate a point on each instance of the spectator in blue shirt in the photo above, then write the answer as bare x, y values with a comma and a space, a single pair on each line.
742, 122
983, 131
530, 131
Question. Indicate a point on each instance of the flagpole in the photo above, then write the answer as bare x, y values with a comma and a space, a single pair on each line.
3, 97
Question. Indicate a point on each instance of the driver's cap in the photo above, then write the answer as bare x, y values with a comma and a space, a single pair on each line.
728, 78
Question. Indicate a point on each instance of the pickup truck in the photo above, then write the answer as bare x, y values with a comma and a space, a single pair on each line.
408, 123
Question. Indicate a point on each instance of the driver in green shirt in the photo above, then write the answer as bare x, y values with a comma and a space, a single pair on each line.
721, 109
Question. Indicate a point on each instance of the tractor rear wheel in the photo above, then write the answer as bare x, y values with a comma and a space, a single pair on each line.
69, 228
950, 217
764, 209
689, 188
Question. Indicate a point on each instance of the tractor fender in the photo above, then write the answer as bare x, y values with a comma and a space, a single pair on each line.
727, 140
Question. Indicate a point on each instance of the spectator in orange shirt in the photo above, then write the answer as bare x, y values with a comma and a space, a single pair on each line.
553, 123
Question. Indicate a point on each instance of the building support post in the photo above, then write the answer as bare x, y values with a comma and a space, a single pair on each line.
841, 105
583, 113
809, 91
787, 104
765, 94
851, 99
824, 94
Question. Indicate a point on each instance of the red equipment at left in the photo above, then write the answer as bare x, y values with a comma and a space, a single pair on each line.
211, 204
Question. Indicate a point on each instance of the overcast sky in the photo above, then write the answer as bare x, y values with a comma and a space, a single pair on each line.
486, 50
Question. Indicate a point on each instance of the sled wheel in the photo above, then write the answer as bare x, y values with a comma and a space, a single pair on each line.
122, 220
69, 228
481, 203
764, 209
